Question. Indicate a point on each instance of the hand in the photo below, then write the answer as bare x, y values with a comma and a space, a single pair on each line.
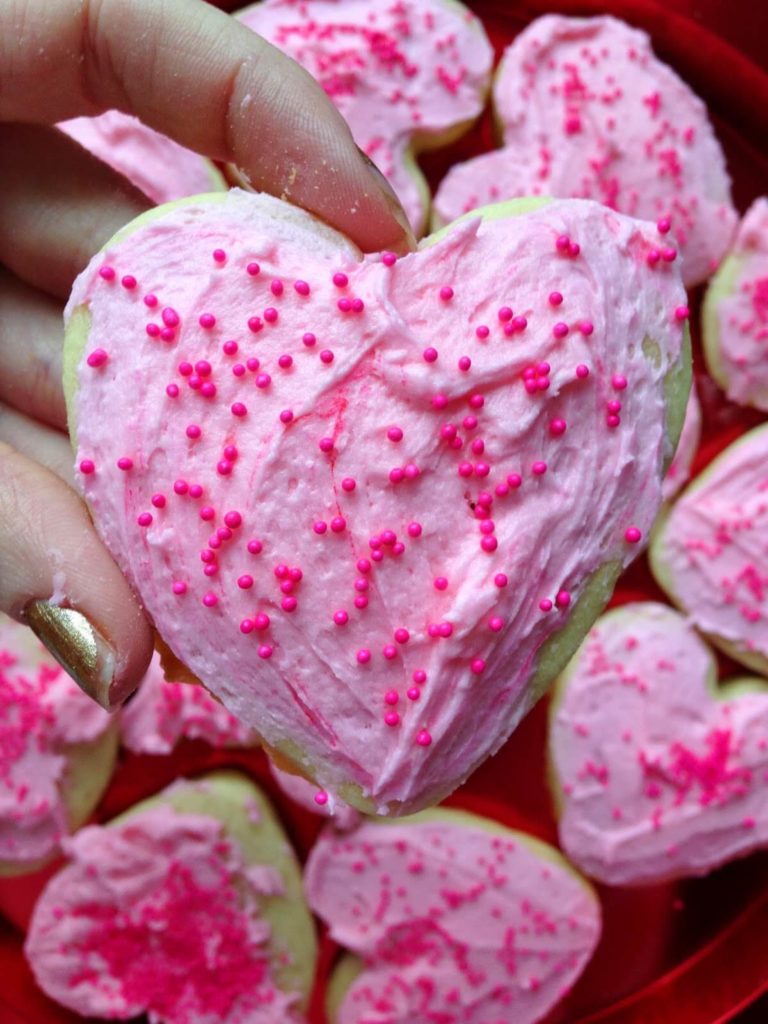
198, 76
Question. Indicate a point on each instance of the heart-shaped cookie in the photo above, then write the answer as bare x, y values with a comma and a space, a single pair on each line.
452, 918
658, 772
375, 503
406, 76
710, 552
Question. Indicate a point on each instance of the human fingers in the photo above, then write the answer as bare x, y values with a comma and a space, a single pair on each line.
48, 447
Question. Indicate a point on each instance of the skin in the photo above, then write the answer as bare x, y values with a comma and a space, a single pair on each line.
190, 72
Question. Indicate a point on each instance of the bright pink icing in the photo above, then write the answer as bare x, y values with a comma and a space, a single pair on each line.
680, 468
658, 776
455, 924
157, 165
42, 712
159, 914
742, 316
713, 546
308, 796
396, 70
587, 110
162, 713
355, 538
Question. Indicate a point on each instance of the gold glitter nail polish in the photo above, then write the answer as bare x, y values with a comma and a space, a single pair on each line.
77, 645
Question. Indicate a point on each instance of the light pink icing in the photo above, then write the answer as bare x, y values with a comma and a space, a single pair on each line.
742, 315
158, 914
714, 550
587, 110
42, 713
454, 923
658, 777
162, 713
157, 165
308, 796
396, 69
408, 560
680, 468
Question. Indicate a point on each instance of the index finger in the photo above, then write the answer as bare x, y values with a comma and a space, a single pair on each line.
197, 75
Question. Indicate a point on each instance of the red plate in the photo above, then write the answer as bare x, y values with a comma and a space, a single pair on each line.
686, 953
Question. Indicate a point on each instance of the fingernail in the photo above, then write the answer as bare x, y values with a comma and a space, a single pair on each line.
393, 202
79, 648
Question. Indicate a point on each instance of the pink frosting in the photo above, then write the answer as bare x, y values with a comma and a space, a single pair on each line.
587, 110
396, 70
454, 923
680, 468
158, 914
742, 315
157, 165
162, 713
42, 712
659, 775
713, 548
325, 538
308, 796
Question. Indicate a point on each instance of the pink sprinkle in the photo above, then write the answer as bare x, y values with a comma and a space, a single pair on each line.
193, 431
245, 582
423, 738
539, 468
125, 463
489, 544
439, 401
430, 354
325, 444
289, 604
341, 618
478, 666
150, 300
482, 332
396, 475
500, 579
363, 656
321, 798
669, 254
301, 287
308, 339
555, 299
682, 313
340, 280
413, 693
255, 547
180, 487
219, 255
563, 243
402, 636
170, 317
285, 361
195, 491
632, 535
619, 382
326, 356
560, 330
179, 587
209, 600
97, 358
465, 363
504, 314
172, 390
263, 380
206, 513
261, 621
106, 273
586, 327
344, 304
348, 484
519, 323
363, 565
391, 697
445, 629
145, 519
419, 676
446, 293
557, 427
440, 583
392, 718
414, 529
495, 623
563, 599
253, 269
255, 324
265, 651
153, 330
582, 371
663, 225
320, 527
395, 434
229, 347
207, 320
271, 315
87, 466
338, 524
545, 604
158, 500
238, 409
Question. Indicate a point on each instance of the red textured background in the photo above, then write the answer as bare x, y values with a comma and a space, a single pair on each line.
688, 953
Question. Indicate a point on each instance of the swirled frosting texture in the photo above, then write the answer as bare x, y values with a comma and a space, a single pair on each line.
398, 70
42, 713
658, 774
739, 319
455, 922
350, 539
587, 110
711, 555
157, 165
158, 914
162, 713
